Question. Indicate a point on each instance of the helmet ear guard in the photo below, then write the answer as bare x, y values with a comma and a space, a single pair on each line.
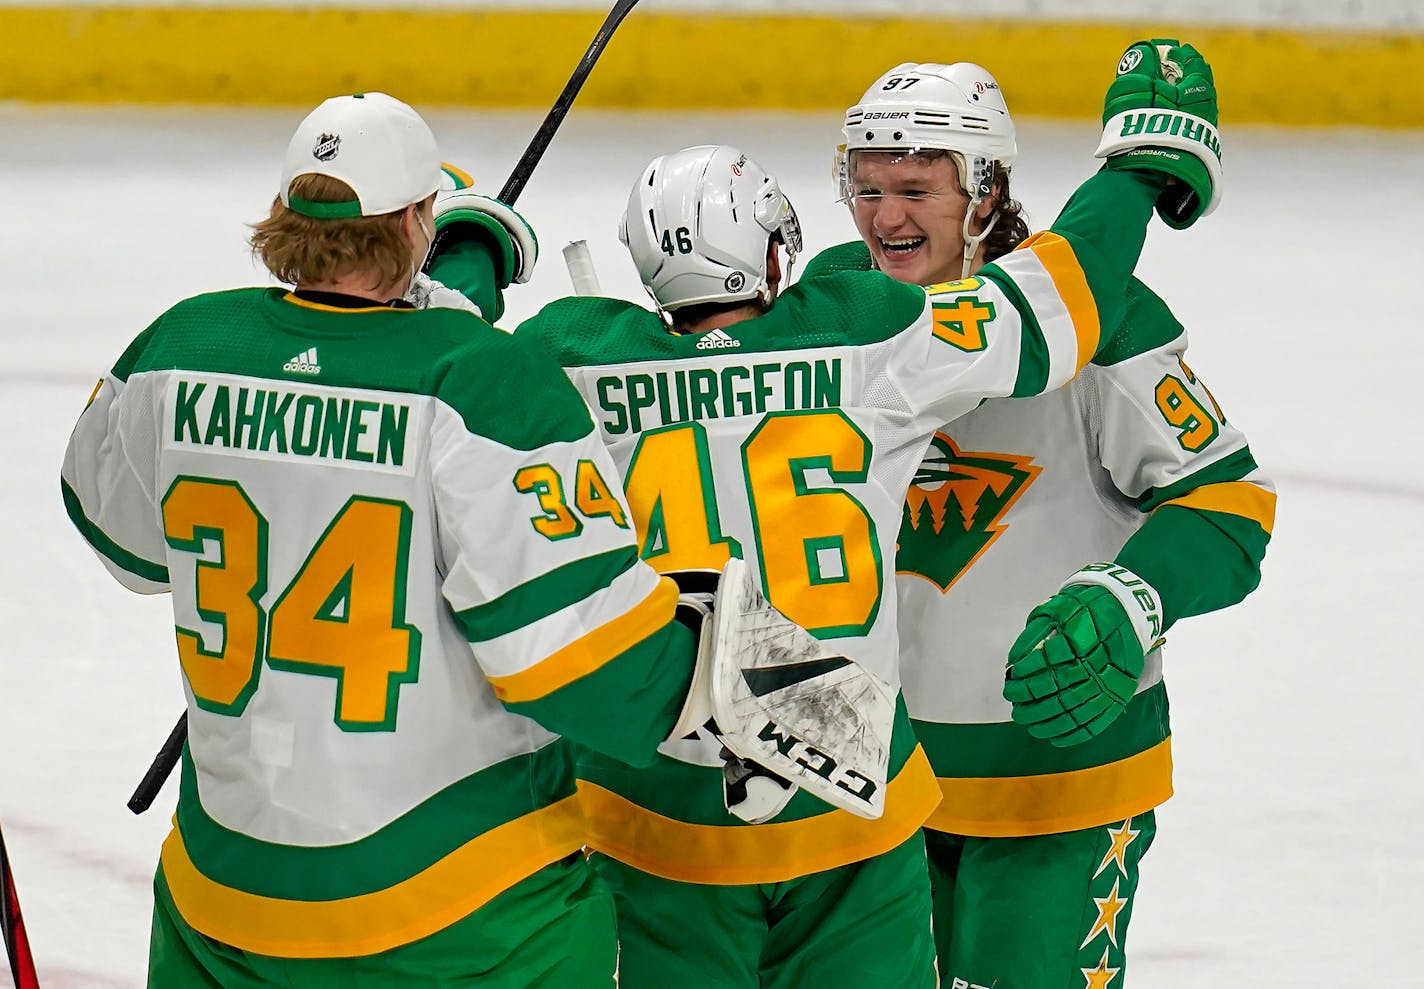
698, 225
776, 214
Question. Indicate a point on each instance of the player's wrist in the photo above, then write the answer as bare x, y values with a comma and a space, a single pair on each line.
1138, 598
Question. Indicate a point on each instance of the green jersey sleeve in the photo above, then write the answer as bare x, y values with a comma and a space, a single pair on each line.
1169, 446
541, 563
470, 266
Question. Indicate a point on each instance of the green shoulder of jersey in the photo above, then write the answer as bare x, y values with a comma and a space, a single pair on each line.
1148, 325
850, 256
857, 308
504, 389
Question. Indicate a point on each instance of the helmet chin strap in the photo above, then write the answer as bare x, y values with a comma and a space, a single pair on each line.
972, 241
978, 177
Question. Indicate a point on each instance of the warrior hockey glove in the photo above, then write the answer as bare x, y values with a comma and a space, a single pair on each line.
1160, 115
1074, 668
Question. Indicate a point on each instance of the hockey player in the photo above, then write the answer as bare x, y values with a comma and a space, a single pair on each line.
784, 427
1126, 499
400, 561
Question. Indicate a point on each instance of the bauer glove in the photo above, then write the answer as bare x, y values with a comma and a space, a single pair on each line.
1160, 115
1074, 668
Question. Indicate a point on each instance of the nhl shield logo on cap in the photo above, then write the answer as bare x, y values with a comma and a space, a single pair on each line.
376, 145
327, 147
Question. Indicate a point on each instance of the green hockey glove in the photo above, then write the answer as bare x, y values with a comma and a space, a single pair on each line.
1075, 666
461, 214
1160, 115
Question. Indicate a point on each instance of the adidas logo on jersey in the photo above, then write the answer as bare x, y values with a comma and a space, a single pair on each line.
303, 363
717, 340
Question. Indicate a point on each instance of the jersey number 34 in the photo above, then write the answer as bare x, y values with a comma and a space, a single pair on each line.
341, 616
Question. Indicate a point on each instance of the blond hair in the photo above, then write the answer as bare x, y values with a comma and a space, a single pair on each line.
301, 249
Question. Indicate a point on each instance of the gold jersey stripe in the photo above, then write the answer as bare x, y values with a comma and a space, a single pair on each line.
585, 655
1057, 256
452, 888
766, 853
322, 307
1016, 806
1241, 498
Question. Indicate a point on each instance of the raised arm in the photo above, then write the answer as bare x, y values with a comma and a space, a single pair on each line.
1029, 321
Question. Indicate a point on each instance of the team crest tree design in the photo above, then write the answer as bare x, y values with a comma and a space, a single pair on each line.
953, 509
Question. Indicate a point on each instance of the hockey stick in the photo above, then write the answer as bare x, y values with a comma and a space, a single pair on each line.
163, 763
540, 143
162, 767
581, 271
12, 928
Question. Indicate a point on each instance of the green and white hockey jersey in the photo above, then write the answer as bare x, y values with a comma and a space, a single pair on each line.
1133, 461
789, 440
399, 561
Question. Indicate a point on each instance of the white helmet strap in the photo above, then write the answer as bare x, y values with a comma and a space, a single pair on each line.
978, 175
972, 241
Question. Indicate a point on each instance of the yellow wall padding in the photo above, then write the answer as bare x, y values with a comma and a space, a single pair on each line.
504, 58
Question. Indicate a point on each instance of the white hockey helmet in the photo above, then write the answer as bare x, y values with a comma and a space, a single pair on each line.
931, 106
698, 223
955, 107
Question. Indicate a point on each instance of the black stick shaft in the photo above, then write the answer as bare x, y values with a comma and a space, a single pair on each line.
532, 154
162, 767
167, 758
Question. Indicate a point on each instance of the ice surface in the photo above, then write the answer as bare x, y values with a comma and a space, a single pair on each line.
1293, 852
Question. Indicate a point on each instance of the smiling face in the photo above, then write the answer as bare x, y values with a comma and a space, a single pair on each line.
909, 209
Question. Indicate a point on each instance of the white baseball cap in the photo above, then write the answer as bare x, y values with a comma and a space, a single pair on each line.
374, 143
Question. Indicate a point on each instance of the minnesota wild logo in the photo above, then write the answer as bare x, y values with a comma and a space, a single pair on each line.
953, 508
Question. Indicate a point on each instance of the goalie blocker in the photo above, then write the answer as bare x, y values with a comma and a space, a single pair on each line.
781, 698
